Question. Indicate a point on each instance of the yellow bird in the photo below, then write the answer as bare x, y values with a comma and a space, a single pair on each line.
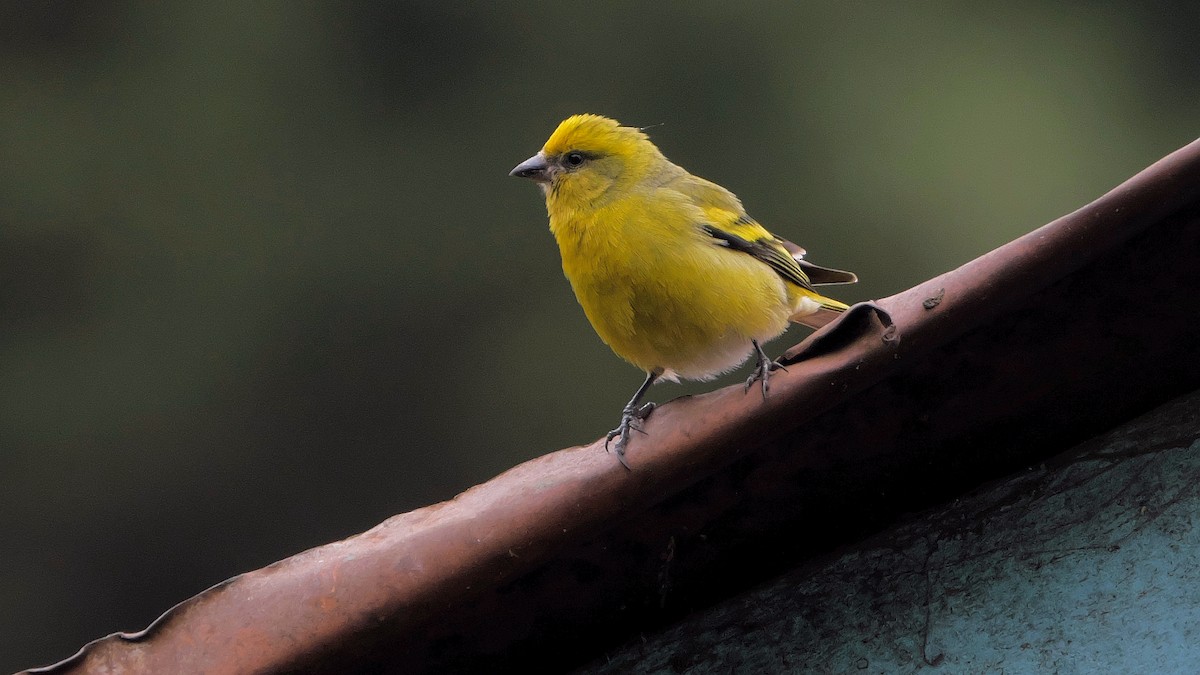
672, 273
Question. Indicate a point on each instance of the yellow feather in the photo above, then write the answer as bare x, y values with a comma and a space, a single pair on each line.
659, 290
673, 274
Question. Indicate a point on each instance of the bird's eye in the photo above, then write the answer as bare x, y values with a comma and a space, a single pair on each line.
574, 158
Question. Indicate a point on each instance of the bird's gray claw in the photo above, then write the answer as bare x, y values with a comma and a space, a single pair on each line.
631, 420
763, 370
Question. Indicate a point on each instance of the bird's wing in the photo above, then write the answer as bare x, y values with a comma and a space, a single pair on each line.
741, 233
705, 194
726, 221
796, 250
819, 276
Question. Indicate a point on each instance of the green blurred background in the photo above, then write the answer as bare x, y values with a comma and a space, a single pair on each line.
264, 280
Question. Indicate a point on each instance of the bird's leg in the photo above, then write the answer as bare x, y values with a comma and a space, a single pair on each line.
762, 369
631, 418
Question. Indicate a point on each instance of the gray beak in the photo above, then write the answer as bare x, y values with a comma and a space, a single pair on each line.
533, 168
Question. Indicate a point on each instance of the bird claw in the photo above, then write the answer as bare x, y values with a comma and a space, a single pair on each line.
631, 420
763, 370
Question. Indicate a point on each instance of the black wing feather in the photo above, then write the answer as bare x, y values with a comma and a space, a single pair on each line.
774, 256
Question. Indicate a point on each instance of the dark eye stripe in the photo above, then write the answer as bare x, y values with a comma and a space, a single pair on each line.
584, 155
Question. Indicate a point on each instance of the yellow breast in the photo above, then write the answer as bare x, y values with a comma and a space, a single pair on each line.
661, 293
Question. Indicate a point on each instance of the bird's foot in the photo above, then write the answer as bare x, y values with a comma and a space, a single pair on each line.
763, 370
631, 420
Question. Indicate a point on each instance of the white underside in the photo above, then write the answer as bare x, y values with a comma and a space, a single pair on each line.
806, 306
722, 359
733, 351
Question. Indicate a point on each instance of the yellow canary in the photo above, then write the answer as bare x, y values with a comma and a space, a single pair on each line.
672, 273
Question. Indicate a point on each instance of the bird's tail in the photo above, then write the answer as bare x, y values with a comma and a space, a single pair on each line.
829, 310
826, 276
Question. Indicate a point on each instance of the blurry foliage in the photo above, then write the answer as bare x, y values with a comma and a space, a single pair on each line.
264, 280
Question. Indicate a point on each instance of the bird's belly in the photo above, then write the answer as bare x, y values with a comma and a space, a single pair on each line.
692, 318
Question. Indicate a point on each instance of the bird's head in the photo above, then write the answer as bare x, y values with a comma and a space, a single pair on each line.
587, 156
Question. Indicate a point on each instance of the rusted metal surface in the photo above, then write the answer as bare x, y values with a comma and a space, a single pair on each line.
1008, 359
1055, 560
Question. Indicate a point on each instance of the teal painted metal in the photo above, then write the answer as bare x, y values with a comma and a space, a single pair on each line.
1089, 563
